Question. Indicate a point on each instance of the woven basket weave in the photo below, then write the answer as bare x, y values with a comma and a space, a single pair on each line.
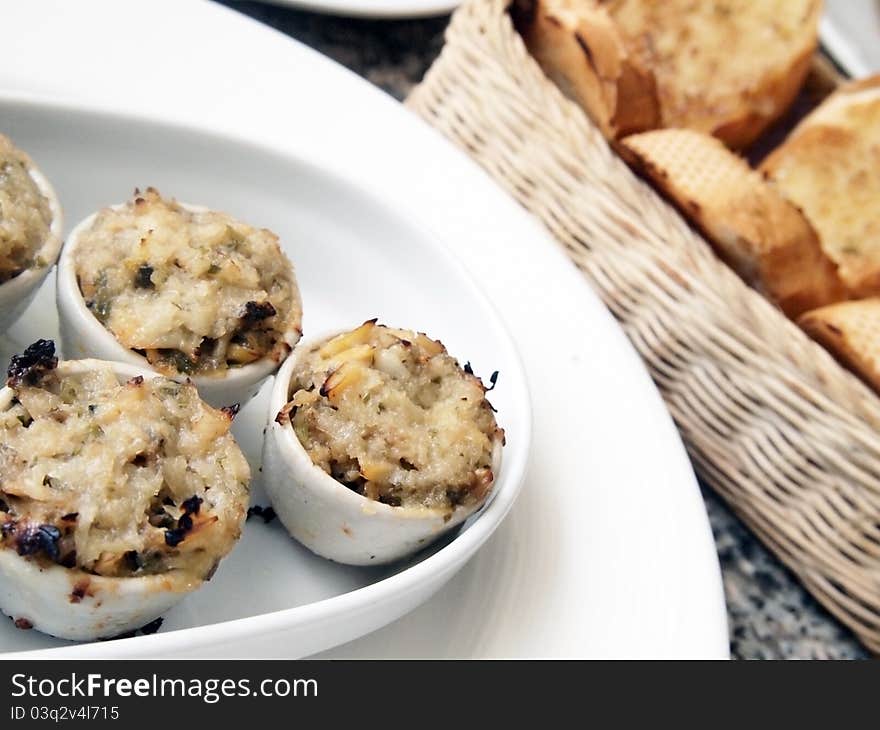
771, 421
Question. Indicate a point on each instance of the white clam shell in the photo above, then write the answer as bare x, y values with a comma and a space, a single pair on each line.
327, 517
83, 336
44, 596
17, 293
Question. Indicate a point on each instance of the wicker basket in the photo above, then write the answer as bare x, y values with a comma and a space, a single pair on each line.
772, 422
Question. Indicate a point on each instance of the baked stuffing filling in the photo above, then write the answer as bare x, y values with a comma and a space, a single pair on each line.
116, 479
391, 415
195, 292
25, 216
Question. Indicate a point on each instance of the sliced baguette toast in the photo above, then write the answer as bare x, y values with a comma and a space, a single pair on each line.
851, 331
580, 49
751, 226
830, 168
726, 67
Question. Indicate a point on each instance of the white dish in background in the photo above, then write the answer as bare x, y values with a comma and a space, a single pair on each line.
850, 32
385, 9
608, 551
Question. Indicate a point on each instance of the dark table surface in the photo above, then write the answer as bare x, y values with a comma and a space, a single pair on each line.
771, 616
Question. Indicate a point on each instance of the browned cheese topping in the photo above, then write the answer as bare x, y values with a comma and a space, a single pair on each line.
390, 414
195, 292
117, 479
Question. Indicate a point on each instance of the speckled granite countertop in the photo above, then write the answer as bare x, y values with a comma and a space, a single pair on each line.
771, 616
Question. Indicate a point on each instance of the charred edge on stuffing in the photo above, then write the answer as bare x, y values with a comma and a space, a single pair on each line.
266, 513
192, 505
140, 460
29, 367
133, 560
136, 380
206, 346
231, 411
468, 368
257, 311
39, 539
143, 277
176, 535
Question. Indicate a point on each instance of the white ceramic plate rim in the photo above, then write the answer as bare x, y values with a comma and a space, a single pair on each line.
685, 614
388, 9
854, 54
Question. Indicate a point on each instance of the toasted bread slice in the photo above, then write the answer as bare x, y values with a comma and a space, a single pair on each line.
580, 49
851, 331
726, 67
830, 167
752, 227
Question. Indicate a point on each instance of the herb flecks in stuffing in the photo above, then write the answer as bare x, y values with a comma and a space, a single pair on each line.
118, 479
256, 312
191, 508
193, 291
43, 538
27, 368
391, 415
142, 279
267, 514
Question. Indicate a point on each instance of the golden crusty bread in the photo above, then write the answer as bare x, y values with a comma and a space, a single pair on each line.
580, 49
850, 330
752, 227
726, 67
830, 167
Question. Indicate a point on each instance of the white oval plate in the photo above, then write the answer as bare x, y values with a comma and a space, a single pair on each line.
387, 9
355, 259
608, 552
